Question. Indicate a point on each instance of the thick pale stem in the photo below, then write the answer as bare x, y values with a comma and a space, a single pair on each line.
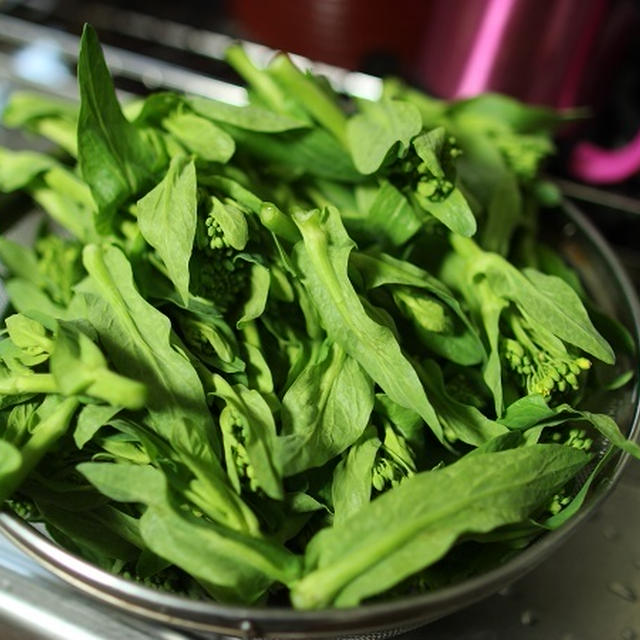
313, 99
263, 85
44, 436
118, 390
278, 223
29, 383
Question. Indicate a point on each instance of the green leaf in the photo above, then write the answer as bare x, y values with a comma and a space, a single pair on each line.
372, 133
153, 109
19, 168
324, 411
258, 372
78, 366
248, 410
491, 310
547, 301
89, 533
323, 257
21, 262
53, 419
391, 219
508, 112
127, 483
314, 151
200, 136
351, 486
437, 327
378, 269
620, 380
232, 223
167, 217
461, 343
48, 116
250, 117
67, 200
25, 107
532, 411
90, 419
431, 109
234, 190
454, 212
26, 297
405, 421
550, 301
308, 94
481, 167
137, 339
461, 421
413, 525
256, 300
30, 336
504, 213
429, 146
526, 412
557, 520
549, 261
114, 158
235, 568
608, 428
214, 341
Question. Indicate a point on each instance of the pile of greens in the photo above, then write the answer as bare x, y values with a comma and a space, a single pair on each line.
303, 351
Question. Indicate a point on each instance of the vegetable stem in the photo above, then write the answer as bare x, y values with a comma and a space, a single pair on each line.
118, 390
43, 437
311, 97
264, 86
278, 223
28, 383
222, 505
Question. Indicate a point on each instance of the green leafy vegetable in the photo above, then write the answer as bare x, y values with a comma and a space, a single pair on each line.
309, 350
324, 411
251, 117
200, 136
323, 260
415, 523
167, 218
380, 126
114, 158
19, 168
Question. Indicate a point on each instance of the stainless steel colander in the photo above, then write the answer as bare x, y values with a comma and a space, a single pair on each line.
604, 278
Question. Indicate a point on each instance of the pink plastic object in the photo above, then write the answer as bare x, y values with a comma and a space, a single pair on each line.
602, 166
540, 52
558, 53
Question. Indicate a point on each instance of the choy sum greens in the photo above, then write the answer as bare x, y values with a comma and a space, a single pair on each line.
306, 351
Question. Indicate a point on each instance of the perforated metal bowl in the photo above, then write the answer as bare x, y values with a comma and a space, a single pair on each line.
606, 281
